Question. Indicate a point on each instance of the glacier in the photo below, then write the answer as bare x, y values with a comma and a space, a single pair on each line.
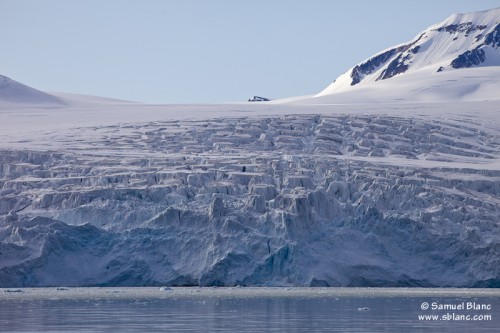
275, 195
392, 182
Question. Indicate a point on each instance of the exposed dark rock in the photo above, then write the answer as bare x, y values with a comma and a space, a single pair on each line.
369, 66
466, 27
374, 63
469, 59
477, 55
493, 38
397, 66
258, 99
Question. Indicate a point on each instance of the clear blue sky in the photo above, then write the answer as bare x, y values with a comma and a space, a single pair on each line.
196, 51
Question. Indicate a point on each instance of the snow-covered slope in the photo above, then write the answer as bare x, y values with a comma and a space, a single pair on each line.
13, 92
89, 100
424, 85
438, 54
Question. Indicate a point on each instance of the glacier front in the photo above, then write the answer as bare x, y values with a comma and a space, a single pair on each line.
318, 195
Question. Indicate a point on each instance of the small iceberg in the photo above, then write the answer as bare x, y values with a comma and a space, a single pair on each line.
13, 291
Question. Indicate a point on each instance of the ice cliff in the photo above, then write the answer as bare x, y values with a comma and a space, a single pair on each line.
315, 200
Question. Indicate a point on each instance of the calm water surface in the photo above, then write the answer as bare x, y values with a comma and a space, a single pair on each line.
248, 310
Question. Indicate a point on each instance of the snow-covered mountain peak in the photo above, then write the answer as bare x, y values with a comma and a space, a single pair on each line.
13, 92
480, 17
461, 41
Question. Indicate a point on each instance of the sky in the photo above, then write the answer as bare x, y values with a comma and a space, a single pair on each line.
200, 51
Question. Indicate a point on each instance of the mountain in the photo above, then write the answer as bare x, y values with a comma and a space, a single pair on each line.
438, 54
13, 92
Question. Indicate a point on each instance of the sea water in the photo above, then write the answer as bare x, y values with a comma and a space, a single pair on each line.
249, 310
